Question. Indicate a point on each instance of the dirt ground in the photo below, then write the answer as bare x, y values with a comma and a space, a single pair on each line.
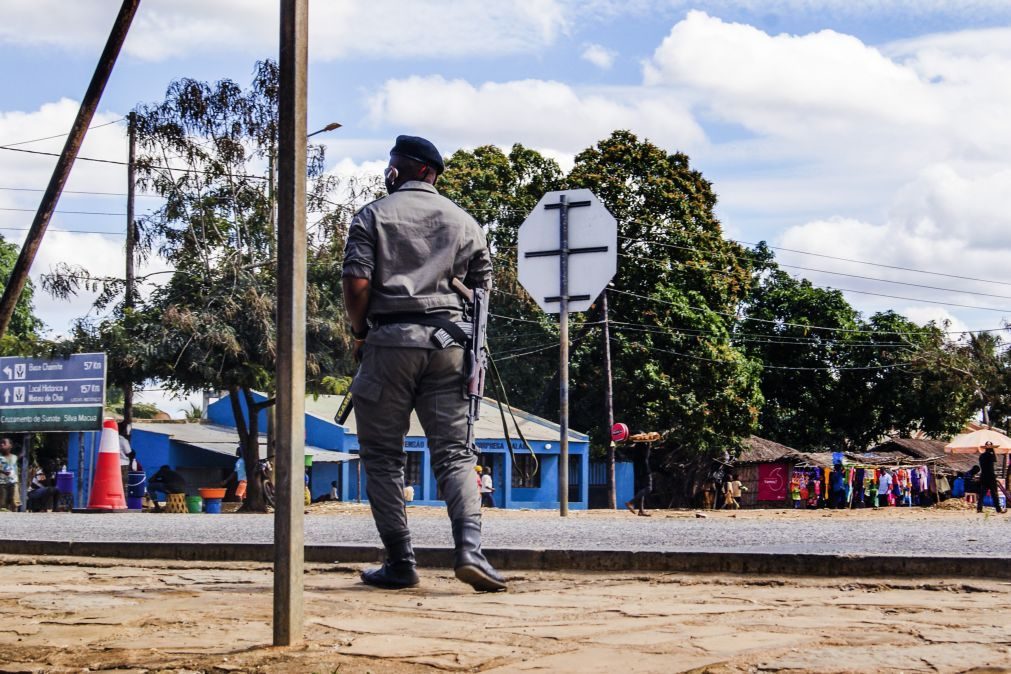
950, 509
70, 615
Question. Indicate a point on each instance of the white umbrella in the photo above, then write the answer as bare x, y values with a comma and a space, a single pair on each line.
978, 441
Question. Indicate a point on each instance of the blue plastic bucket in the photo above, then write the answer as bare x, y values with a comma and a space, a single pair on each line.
65, 482
136, 481
212, 506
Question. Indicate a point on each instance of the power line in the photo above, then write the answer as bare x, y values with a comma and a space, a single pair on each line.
639, 258
880, 264
88, 192
62, 135
66, 231
839, 273
123, 163
751, 338
775, 367
33, 210
789, 324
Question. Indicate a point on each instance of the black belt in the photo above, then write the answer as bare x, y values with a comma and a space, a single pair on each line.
429, 320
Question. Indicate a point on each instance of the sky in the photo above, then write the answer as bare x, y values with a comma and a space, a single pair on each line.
871, 130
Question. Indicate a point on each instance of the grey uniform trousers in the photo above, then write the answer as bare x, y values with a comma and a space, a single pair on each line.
392, 381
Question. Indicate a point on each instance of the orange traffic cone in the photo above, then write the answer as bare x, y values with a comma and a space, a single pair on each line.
107, 485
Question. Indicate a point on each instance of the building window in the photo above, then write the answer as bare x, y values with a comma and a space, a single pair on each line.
412, 472
526, 472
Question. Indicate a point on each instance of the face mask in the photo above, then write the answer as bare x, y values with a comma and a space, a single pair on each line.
390, 175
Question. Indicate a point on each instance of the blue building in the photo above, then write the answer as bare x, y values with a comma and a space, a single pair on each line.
204, 453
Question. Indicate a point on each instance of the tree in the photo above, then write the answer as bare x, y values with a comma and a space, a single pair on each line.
499, 190
207, 149
834, 380
678, 284
25, 326
799, 330
203, 149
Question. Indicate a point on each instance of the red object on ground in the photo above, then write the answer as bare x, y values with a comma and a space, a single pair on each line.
107, 484
619, 432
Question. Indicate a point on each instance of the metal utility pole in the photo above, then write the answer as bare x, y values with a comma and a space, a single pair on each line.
612, 499
129, 294
563, 358
19, 275
289, 553
563, 298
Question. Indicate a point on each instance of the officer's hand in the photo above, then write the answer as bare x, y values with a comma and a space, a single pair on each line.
357, 349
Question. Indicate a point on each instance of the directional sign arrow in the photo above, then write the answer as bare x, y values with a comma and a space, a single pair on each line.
7, 395
8, 372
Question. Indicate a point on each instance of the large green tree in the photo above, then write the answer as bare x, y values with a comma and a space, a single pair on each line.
677, 287
208, 150
835, 380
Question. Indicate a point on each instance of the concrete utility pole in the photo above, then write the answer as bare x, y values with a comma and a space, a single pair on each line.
129, 293
19, 275
612, 500
289, 553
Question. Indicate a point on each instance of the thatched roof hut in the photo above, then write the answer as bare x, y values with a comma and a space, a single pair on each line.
760, 450
928, 450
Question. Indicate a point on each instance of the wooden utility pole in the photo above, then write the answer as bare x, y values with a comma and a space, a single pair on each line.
289, 553
129, 293
19, 275
612, 499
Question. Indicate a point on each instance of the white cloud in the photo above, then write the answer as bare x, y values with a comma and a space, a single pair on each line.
892, 244
939, 315
338, 28
101, 254
538, 113
599, 56
786, 84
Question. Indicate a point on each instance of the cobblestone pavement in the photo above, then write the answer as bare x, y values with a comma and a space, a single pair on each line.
66, 615
887, 532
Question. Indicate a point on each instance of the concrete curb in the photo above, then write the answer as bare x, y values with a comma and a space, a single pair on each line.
758, 563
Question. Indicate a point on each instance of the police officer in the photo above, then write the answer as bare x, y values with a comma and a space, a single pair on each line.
402, 253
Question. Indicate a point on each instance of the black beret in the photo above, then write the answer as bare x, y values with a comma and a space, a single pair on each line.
419, 149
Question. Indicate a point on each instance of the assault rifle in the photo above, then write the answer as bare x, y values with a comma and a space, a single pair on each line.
476, 354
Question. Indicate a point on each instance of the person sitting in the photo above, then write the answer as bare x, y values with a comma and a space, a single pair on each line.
165, 481
41, 494
332, 495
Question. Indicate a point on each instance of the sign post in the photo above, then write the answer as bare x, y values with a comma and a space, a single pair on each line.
47, 395
555, 255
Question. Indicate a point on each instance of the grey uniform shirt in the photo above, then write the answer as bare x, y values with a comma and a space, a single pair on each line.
410, 245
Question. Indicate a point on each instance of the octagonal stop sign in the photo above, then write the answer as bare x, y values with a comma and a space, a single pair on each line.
588, 241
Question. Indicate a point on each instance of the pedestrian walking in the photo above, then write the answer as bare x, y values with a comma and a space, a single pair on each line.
8, 475
735, 489
988, 479
639, 500
487, 488
403, 251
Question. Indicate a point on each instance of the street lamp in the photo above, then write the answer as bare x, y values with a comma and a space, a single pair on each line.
329, 127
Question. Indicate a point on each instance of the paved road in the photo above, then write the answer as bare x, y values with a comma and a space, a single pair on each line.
968, 536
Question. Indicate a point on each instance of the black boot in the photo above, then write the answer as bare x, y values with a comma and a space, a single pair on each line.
470, 565
398, 571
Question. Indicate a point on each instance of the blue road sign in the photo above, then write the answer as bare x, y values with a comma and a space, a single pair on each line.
41, 394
